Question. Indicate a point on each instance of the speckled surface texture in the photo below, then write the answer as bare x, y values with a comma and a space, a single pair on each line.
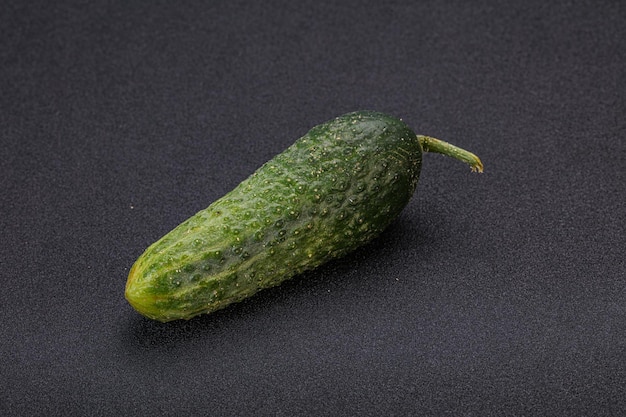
501, 294
334, 190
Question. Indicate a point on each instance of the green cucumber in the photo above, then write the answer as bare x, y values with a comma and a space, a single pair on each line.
333, 190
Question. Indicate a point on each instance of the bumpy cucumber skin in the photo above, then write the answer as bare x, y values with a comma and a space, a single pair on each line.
333, 190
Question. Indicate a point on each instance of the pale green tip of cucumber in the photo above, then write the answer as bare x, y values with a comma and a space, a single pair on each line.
430, 144
138, 299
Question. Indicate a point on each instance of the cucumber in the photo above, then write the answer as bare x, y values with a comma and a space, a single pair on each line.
335, 189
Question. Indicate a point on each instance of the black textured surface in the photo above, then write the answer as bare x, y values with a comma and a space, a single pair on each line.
494, 294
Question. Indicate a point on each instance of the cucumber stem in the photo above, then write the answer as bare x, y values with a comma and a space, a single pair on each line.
430, 144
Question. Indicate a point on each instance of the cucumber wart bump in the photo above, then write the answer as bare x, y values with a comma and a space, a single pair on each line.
333, 190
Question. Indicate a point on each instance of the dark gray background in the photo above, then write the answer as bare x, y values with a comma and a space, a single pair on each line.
494, 294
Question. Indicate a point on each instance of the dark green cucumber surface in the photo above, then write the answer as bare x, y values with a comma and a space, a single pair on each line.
333, 190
